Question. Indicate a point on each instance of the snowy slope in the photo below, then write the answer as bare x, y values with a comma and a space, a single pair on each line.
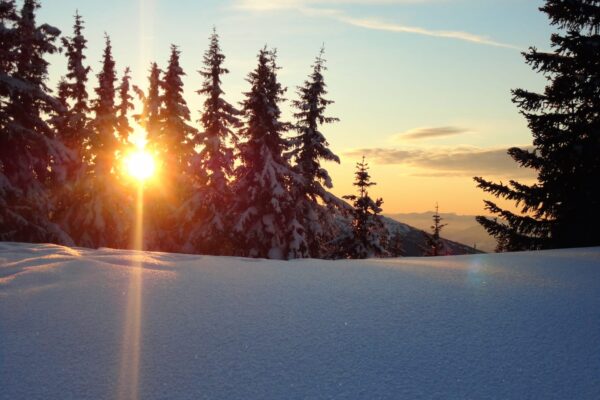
414, 240
498, 326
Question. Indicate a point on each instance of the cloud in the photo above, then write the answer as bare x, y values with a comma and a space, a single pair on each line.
449, 161
313, 8
262, 5
430, 132
379, 25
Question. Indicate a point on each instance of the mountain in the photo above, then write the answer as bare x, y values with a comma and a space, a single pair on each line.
114, 324
461, 228
413, 240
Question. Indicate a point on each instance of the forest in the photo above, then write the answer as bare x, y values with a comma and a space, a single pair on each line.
239, 179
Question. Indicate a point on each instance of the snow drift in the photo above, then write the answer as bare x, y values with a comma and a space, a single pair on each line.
522, 325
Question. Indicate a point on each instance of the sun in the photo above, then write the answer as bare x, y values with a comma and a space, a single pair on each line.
140, 165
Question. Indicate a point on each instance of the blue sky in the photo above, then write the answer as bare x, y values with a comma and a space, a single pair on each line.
422, 87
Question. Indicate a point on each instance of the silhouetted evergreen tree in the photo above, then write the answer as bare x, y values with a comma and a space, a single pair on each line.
158, 208
105, 138
369, 234
150, 117
75, 133
178, 138
204, 215
309, 148
435, 245
30, 155
560, 209
73, 126
98, 219
124, 106
263, 205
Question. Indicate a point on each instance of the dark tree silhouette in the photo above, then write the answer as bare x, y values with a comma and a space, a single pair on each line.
560, 209
310, 148
369, 234
435, 245
31, 157
75, 132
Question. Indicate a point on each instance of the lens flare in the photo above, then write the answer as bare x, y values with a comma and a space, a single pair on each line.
140, 165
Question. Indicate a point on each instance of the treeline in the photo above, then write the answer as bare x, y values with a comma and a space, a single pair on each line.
560, 209
244, 182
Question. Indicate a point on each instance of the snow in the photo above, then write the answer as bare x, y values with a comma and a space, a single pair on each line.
498, 326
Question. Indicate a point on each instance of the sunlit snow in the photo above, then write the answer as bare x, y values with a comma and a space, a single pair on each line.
508, 326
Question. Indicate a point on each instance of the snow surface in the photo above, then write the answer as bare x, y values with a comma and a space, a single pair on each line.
509, 326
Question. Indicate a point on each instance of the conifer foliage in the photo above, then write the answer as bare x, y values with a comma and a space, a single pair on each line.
559, 210
102, 207
206, 225
247, 183
435, 245
150, 117
177, 137
369, 234
310, 147
265, 208
30, 155
75, 131
125, 106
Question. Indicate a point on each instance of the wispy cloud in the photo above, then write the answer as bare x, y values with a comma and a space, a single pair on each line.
430, 132
379, 25
448, 161
313, 8
283, 4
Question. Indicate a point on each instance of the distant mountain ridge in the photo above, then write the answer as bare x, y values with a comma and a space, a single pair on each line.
413, 240
412, 235
460, 228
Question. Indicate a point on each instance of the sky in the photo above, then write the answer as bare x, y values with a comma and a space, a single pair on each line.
422, 87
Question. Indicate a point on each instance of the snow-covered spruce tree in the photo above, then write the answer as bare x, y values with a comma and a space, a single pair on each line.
99, 219
263, 204
178, 137
124, 129
105, 139
204, 215
558, 210
369, 234
75, 133
176, 148
157, 211
150, 117
74, 129
433, 241
30, 154
314, 203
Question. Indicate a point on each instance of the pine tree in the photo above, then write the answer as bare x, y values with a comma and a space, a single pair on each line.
435, 245
105, 139
158, 235
310, 147
369, 234
8, 54
263, 205
206, 224
76, 131
73, 126
558, 210
30, 154
150, 117
125, 105
178, 138
98, 218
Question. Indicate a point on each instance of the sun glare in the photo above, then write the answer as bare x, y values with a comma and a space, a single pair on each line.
140, 165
